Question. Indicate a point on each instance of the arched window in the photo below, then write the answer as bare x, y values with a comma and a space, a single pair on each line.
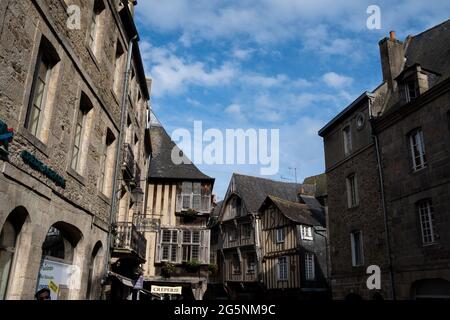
58, 271
8, 246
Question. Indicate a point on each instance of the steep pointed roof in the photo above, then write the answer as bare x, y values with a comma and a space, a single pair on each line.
294, 211
254, 190
161, 164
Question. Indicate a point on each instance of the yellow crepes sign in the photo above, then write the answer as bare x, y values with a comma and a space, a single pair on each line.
166, 290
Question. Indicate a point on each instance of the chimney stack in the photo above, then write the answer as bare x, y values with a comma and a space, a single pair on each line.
392, 55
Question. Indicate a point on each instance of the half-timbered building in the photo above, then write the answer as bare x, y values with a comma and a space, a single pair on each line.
178, 206
239, 241
293, 248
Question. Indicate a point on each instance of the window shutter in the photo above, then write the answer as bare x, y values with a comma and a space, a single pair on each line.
205, 246
179, 246
158, 248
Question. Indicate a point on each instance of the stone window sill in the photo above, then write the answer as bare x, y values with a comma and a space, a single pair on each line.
76, 176
104, 198
93, 57
38, 144
115, 96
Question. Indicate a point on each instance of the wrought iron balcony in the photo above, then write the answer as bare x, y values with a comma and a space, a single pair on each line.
128, 161
129, 238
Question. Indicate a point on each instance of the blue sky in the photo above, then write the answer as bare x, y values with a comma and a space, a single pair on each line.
282, 64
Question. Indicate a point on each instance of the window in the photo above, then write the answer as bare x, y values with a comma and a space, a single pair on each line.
107, 164
95, 26
118, 67
236, 264
280, 235
357, 248
38, 112
306, 232
426, 215
309, 266
191, 245
251, 263
181, 245
247, 230
411, 90
232, 234
235, 206
80, 134
282, 268
169, 244
347, 136
191, 196
352, 191
417, 146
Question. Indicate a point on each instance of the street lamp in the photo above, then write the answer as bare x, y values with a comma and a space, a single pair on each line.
138, 197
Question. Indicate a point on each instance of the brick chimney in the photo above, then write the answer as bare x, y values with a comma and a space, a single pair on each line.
392, 55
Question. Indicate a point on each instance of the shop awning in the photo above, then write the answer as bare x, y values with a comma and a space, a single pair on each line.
125, 281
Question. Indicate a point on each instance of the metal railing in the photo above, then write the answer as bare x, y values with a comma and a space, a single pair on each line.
129, 238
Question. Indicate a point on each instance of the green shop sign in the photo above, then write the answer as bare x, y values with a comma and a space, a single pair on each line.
37, 165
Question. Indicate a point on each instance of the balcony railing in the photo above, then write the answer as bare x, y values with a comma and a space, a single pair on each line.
128, 160
238, 241
129, 238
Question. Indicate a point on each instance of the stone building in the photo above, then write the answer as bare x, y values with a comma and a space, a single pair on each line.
61, 91
178, 206
387, 165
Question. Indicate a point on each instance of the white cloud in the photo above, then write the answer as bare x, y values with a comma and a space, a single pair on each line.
242, 54
264, 81
172, 74
233, 109
335, 80
262, 21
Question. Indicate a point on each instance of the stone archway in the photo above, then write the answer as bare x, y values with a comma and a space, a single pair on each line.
94, 275
11, 237
60, 268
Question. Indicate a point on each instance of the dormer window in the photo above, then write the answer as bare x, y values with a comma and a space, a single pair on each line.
411, 90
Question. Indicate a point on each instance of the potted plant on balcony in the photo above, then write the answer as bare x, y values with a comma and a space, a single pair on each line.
192, 266
213, 269
190, 214
167, 269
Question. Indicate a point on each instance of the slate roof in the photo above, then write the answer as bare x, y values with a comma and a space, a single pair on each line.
294, 211
320, 183
315, 207
254, 190
161, 164
217, 209
431, 49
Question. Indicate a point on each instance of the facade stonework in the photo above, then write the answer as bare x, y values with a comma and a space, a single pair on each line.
387, 165
79, 76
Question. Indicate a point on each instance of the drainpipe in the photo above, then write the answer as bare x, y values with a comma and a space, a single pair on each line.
383, 199
123, 108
